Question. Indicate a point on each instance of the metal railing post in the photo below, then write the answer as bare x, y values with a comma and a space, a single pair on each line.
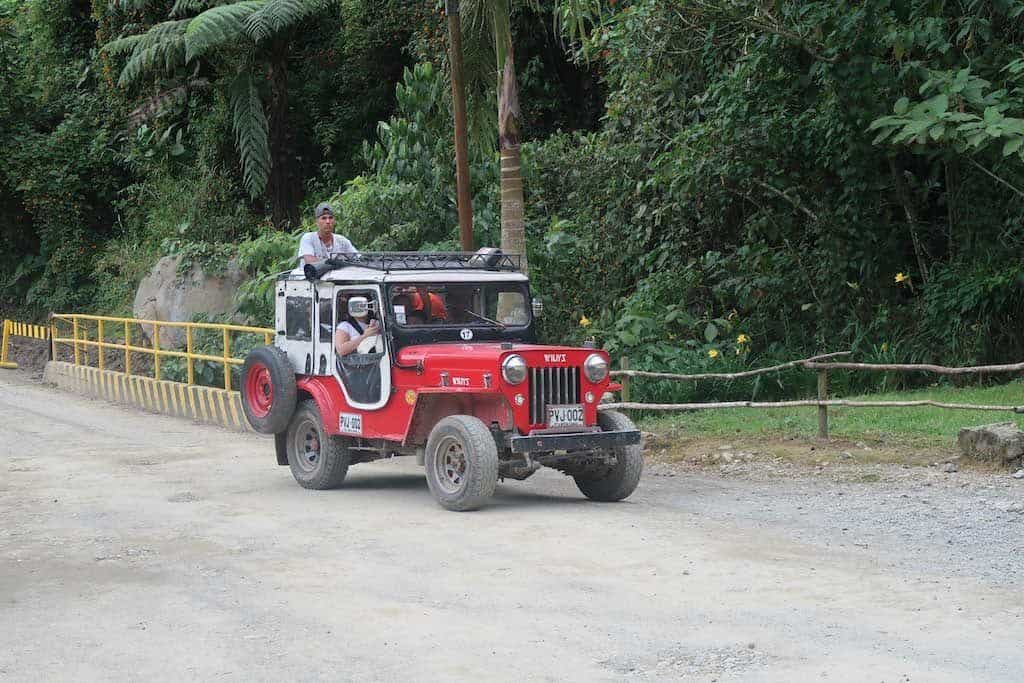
127, 343
53, 337
624, 365
188, 351
822, 409
4, 341
227, 355
99, 349
156, 351
74, 335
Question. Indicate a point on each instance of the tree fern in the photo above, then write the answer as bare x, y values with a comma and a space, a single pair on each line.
251, 132
184, 7
130, 5
121, 46
164, 101
277, 15
218, 25
163, 45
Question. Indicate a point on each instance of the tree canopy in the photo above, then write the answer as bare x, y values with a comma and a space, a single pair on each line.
798, 175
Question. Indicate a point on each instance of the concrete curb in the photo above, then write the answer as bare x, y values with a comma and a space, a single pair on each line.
203, 404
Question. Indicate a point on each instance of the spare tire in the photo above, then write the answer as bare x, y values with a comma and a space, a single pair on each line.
268, 389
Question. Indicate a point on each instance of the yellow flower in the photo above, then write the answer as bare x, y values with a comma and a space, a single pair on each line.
713, 353
743, 339
885, 347
901, 278
584, 321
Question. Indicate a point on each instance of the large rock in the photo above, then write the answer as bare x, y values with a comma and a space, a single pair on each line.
1002, 442
165, 294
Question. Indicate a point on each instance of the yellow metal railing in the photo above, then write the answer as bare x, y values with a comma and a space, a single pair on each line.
92, 331
12, 328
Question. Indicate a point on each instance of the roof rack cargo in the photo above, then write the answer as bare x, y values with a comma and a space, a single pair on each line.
483, 259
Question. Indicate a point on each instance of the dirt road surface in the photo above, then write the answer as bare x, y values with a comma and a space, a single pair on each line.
139, 547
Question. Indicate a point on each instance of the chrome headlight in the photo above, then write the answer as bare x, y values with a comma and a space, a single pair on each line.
595, 367
513, 369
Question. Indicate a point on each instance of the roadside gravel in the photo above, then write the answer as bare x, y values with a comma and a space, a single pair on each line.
966, 523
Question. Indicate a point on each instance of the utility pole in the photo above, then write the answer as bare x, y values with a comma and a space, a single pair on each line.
464, 201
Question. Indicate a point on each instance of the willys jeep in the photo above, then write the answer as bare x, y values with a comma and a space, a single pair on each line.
455, 378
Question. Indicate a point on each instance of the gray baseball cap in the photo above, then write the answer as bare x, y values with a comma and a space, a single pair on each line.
322, 208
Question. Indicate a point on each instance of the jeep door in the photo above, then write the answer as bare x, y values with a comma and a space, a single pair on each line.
364, 375
295, 323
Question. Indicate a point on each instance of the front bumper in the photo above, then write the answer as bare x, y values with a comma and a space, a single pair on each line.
586, 441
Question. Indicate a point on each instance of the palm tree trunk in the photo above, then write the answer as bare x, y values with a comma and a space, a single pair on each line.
513, 226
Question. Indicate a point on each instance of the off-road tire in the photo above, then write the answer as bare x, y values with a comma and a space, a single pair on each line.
315, 468
620, 480
268, 389
465, 437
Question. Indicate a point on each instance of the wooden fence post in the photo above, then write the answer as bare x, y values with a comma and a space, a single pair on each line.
624, 365
823, 410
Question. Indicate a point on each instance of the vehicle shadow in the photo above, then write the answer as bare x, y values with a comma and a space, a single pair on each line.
508, 495
382, 482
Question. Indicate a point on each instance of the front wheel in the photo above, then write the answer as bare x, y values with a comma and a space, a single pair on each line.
462, 463
622, 478
317, 459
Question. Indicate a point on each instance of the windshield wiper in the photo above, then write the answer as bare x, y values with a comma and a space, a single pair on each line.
485, 318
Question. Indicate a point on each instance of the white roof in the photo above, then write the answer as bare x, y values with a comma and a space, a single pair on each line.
360, 274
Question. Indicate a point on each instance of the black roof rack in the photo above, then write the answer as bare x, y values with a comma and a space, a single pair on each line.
485, 259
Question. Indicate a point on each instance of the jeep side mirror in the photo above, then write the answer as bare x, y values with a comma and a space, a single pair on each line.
358, 306
538, 308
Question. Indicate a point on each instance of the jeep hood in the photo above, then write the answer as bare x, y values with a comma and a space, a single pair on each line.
487, 355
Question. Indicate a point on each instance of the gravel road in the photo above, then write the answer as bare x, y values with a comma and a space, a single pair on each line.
141, 547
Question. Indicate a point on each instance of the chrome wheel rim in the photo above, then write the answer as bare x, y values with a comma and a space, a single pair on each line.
450, 465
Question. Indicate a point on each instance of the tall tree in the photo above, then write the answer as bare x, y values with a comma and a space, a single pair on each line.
245, 45
492, 18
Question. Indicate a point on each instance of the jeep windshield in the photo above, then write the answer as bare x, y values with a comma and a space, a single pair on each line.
439, 306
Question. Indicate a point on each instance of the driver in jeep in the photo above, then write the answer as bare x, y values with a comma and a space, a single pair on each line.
353, 329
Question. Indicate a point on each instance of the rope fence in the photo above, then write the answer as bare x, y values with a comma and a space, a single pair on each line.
823, 402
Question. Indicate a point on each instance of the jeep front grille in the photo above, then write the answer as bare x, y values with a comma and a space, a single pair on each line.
552, 386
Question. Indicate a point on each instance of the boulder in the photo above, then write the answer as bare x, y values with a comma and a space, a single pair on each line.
1002, 442
166, 294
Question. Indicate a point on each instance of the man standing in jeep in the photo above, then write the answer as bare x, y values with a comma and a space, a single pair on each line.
319, 245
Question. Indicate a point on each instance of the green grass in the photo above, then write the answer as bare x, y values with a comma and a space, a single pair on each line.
910, 426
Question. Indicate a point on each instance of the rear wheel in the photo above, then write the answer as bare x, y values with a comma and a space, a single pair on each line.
462, 463
268, 389
317, 459
621, 479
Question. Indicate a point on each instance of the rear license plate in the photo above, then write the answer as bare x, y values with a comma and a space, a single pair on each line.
562, 416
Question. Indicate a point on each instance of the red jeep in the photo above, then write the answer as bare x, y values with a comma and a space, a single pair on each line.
455, 378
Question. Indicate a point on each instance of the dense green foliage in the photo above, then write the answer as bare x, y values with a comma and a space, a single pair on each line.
709, 183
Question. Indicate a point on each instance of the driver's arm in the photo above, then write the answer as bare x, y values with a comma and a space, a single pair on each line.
344, 344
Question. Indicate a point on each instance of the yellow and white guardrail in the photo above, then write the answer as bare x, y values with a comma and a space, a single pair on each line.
15, 329
102, 350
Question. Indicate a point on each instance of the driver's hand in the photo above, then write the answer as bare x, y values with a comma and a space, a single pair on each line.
373, 328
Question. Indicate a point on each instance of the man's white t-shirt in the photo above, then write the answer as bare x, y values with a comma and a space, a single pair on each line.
311, 245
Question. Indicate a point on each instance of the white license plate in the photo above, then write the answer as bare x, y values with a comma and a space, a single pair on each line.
561, 416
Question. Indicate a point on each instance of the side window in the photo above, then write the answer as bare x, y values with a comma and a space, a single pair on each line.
298, 318
326, 320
